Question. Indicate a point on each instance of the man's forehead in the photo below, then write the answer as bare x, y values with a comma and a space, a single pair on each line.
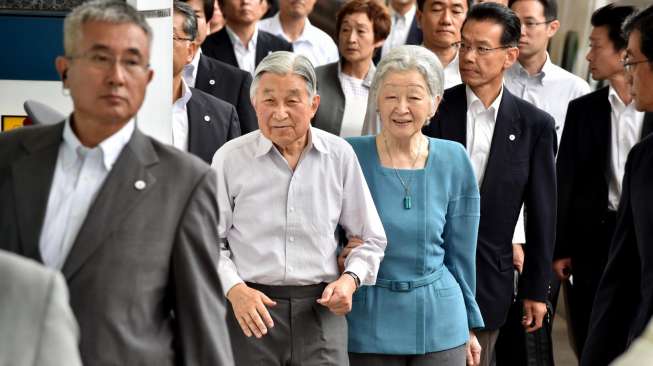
485, 31
115, 37
456, 3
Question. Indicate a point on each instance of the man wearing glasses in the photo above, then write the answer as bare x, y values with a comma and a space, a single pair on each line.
624, 300
511, 145
130, 222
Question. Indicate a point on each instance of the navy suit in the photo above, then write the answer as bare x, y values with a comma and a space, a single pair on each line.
211, 123
218, 45
520, 170
230, 84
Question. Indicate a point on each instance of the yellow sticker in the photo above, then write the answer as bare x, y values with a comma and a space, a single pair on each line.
11, 122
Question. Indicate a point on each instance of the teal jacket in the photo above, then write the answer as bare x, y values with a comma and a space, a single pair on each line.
424, 298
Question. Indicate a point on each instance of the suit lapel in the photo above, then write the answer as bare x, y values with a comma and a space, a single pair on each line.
200, 134
224, 49
453, 122
32, 180
261, 48
647, 127
116, 198
603, 132
414, 34
204, 76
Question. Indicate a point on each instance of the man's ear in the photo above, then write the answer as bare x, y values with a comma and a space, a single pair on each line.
511, 57
61, 64
315, 104
552, 28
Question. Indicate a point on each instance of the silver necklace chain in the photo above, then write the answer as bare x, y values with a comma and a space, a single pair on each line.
406, 184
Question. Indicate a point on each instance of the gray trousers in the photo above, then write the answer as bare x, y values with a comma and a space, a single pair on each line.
305, 333
451, 357
488, 340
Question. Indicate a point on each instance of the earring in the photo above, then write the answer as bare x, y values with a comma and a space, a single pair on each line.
65, 92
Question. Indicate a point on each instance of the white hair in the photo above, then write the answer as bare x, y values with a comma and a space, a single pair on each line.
283, 63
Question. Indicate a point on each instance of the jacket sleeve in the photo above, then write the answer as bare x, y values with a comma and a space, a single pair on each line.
246, 114
199, 302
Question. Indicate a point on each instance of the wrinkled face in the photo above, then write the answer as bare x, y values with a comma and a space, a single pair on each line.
441, 21
242, 11
477, 70
296, 8
108, 73
404, 103
604, 60
640, 78
183, 50
535, 31
202, 27
356, 38
283, 108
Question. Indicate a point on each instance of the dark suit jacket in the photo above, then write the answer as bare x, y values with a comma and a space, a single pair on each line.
218, 45
415, 37
520, 169
624, 302
332, 99
206, 137
230, 84
142, 271
583, 168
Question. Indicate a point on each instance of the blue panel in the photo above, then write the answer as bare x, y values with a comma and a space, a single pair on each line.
30, 44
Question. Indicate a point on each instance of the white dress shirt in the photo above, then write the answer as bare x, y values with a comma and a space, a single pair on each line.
399, 29
190, 70
625, 132
245, 54
280, 224
480, 129
180, 118
313, 43
356, 92
550, 90
452, 73
78, 176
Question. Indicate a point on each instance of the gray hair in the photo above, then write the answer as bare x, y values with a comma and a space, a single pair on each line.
111, 11
189, 27
282, 63
408, 58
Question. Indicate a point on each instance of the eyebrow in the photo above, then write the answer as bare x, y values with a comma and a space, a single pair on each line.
100, 47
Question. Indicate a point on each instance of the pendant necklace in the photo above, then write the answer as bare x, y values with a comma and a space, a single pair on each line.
407, 198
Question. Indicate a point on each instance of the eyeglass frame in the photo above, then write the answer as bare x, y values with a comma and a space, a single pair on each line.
531, 25
479, 50
629, 65
93, 58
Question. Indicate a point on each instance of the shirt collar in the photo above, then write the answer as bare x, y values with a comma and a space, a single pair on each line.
476, 106
548, 69
615, 102
410, 14
111, 147
190, 70
186, 94
367, 81
251, 46
265, 145
277, 29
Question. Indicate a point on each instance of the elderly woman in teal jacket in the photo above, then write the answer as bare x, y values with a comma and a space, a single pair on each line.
422, 310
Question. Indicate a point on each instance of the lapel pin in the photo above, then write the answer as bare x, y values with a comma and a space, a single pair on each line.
140, 185
207, 118
511, 137
211, 82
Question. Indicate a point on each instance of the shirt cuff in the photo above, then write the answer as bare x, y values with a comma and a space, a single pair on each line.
360, 268
229, 279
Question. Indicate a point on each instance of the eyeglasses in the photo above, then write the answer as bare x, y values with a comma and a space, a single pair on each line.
532, 24
177, 38
629, 66
480, 50
104, 61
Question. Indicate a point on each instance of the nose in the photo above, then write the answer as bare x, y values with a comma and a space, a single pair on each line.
588, 56
352, 37
116, 75
445, 18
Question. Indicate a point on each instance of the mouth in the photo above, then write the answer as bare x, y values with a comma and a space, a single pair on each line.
113, 98
402, 122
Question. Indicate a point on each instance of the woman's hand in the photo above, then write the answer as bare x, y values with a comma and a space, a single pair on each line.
473, 350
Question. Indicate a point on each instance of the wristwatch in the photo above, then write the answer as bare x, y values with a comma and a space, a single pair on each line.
355, 277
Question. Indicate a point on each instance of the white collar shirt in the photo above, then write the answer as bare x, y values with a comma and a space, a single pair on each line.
180, 118
313, 43
625, 131
277, 226
480, 129
190, 71
245, 54
399, 29
452, 73
550, 90
79, 174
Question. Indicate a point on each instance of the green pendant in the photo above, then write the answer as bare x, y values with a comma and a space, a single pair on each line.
407, 203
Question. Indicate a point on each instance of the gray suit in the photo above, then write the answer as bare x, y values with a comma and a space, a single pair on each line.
332, 99
37, 327
142, 270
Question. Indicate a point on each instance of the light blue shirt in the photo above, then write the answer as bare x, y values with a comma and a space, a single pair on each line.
78, 176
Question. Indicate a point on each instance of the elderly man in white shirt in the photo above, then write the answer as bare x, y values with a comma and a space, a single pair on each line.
291, 23
283, 192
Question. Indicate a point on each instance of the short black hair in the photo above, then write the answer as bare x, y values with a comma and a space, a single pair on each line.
612, 17
550, 8
643, 23
190, 20
208, 8
501, 15
420, 4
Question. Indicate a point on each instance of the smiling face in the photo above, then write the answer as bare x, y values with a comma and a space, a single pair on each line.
356, 38
440, 21
109, 93
404, 103
283, 108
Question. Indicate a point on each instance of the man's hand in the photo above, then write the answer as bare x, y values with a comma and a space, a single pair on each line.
562, 268
353, 243
249, 308
534, 312
518, 256
473, 350
337, 295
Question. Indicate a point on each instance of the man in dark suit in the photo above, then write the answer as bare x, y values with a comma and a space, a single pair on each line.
624, 300
240, 43
130, 222
217, 78
600, 130
201, 123
512, 146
